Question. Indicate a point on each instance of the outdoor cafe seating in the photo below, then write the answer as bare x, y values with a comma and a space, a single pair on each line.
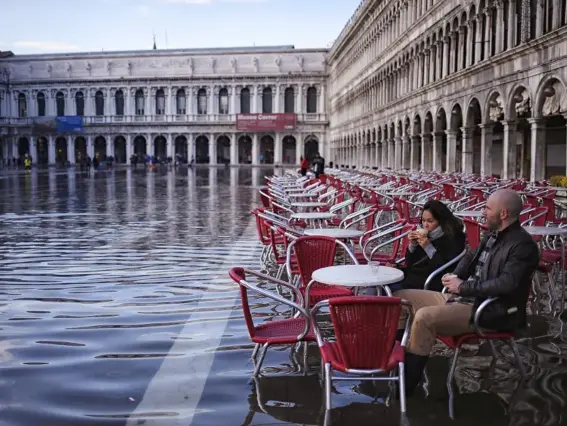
322, 239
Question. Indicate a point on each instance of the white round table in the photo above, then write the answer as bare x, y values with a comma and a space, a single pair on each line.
309, 204
545, 230
334, 233
313, 216
358, 276
469, 213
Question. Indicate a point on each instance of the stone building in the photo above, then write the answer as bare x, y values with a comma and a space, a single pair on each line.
198, 103
473, 86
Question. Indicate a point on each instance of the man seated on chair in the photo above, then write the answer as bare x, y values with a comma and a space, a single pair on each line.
502, 267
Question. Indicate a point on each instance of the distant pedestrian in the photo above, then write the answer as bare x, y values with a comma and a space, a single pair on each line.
304, 166
318, 165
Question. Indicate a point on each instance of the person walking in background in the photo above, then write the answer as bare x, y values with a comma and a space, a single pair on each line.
304, 166
318, 165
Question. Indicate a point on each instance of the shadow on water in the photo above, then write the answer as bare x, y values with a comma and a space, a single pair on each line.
102, 275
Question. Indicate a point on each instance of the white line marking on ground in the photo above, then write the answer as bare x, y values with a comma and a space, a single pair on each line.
180, 381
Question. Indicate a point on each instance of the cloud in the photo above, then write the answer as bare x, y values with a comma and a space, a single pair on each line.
144, 10
212, 1
45, 45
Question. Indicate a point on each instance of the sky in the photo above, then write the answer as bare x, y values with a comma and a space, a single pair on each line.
53, 26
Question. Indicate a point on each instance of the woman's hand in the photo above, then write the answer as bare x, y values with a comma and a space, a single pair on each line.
412, 236
423, 240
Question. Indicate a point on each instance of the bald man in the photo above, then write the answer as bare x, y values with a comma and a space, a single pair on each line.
501, 267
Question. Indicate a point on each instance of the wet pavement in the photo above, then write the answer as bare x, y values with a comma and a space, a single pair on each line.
116, 309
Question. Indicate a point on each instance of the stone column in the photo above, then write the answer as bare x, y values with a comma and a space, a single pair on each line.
439, 61
451, 150
467, 157
487, 33
70, 150
149, 95
438, 151
278, 148
212, 149
211, 91
478, 39
233, 100
129, 148
233, 149
469, 45
486, 149
255, 150
406, 152
512, 23
398, 152
509, 148
426, 66
414, 152
426, 157
384, 160
461, 48
500, 28
169, 147
537, 153
109, 146
255, 100
50, 150
539, 17
276, 102
454, 53
446, 58
90, 146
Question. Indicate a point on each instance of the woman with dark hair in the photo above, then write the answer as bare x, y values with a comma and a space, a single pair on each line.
440, 240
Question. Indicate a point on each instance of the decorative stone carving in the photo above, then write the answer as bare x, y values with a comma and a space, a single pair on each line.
522, 106
30, 69
278, 62
256, 64
108, 66
495, 109
68, 69
49, 69
555, 100
300, 62
233, 64
213, 64
190, 65
53, 93
133, 91
129, 67
88, 67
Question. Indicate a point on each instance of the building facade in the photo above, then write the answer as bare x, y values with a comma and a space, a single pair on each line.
472, 86
165, 103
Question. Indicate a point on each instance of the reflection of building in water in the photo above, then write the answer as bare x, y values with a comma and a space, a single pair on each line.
445, 85
197, 103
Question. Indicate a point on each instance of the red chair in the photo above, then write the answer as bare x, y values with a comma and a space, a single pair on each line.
365, 331
312, 253
456, 342
276, 332
473, 230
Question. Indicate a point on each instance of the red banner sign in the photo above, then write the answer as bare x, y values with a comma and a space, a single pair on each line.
265, 122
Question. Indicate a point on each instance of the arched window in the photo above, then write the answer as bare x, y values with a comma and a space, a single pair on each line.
181, 103
99, 103
289, 100
202, 101
22, 106
80, 103
223, 101
267, 100
160, 102
60, 104
245, 101
139, 102
41, 104
119, 102
311, 100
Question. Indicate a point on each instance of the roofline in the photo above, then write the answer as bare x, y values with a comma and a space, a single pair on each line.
169, 52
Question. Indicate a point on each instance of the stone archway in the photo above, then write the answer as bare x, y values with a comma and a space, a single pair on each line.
80, 149
100, 148
160, 148
267, 150
244, 150
289, 146
23, 147
120, 150
42, 151
61, 150
223, 149
181, 148
311, 147
202, 150
472, 158
140, 148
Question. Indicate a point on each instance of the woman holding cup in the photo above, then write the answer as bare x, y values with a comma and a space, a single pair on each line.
439, 239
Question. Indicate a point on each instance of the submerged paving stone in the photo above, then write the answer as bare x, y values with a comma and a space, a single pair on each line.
116, 309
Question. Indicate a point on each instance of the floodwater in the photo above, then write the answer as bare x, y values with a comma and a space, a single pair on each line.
116, 309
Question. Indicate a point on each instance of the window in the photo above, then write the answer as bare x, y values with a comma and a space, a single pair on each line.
223, 101
119, 102
160, 102
99, 103
202, 101
41, 104
245, 101
22, 106
139, 102
311, 100
289, 100
80, 103
181, 103
267, 100
60, 104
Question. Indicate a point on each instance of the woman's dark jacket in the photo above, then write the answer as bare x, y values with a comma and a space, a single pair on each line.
419, 266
